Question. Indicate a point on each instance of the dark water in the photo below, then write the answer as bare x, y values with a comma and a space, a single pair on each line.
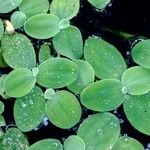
129, 16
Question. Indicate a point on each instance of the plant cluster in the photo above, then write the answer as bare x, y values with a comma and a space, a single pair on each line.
91, 74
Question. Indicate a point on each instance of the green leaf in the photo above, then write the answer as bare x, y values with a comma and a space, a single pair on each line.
64, 23
2, 121
86, 77
34, 7
65, 9
99, 131
136, 80
46, 144
49, 93
57, 73
18, 51
25, 107
63, 110
141, 53
106, 60
44, 53
2, 78
2, 107
74, 142
103, 95
8, 5
19, 82
127, 143
68, 42
42, 26
14, 139
18, 19
1, 28
100, 4
2, 61
137, 110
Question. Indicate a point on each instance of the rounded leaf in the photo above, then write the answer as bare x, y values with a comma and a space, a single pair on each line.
46, 144
8, 5
63, 110
42, 26
2, 61
99, 131
49, 93
127, 143
34, 7
103, 95
1, 28
18, 51
100, 4
141, 53
18, 19
19, 82
137, 110
57, 73
65, 9
74, 142
68, 42
14, 139
2, 107
25, 107
106, 60
85, 77
136, 80
2, 121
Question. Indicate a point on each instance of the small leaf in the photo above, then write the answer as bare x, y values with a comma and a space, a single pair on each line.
100, 4
2, 107
2, 92
14, 139
137, 110
136, 80
2, 121
18, 19
25, 107
2, 61
46, 144
18, 51
65, 9
141, 53
74, 142
8, 5
85, 77
64, 23
1, 28
106, 60
57, 73
99, 131
19, 82
63, 110
127, 143
42, 26
44, 53
34, 7
49, 93
68, 42
103, 95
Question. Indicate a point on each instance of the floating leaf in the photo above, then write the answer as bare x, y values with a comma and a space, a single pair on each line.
137, 110
49, 93
2, 61
34, 7
46, 144
64, 23
106, 60
127, 143
13, 139
141, 53
57, 73
44, 53
86, 77
19, 82
1, 107
18, 19
1, 135
68, 42
1, 28
65, 9
42, 26
100, 4
2, 121
2, 78
8, 5
99, 131
18, 51
25, 107
103, 95
63, 110
74, 142
136, 80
